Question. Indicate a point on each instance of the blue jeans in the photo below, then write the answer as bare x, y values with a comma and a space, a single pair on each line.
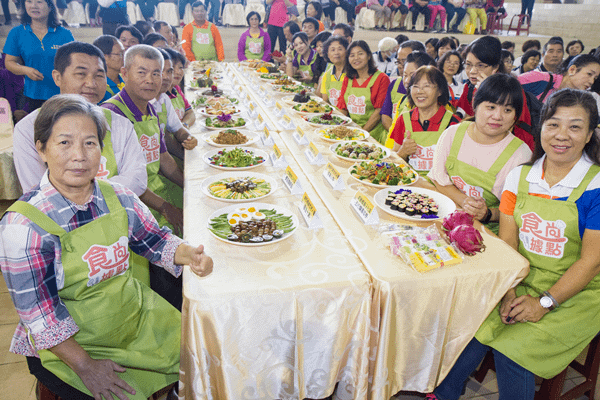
514, 381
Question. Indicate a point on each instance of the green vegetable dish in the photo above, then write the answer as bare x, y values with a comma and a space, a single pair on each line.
219, 122
236, 158
251, 226
327, 119
384, 173
360, 151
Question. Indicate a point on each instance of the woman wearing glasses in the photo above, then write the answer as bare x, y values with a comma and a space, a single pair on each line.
451, 65
484, 58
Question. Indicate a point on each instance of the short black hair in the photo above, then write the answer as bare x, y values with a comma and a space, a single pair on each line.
415, 45
302, 35
144, 27
530, 44
339, 39
25, 19
446, 56
501, 89
420, 58
579, 62
528, 54
574, 42
506, 54
159, 24
135, 32
311, 20
507, 44
292, 26
351, 73
176, 56
488, 50
348, 31
166, 56
432, 41
434, 76
252, 14
553, 40
62, 59
445, 41
401, 38
152, 38
198, 4
318, 8
105, 43
322, 37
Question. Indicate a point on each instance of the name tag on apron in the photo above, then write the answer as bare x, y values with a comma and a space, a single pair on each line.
151, 147
422, 160
356, 105
102, 171
202, 38
541, 237
255, 48
104, 262
469, 190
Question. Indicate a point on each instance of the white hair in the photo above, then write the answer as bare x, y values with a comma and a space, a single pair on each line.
387, 44
145, 51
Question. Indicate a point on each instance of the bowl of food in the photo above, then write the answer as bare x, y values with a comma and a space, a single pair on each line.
224, 121
312, 107
382, 174
231, 138
354, 151
326, 119
342, 133
235, 159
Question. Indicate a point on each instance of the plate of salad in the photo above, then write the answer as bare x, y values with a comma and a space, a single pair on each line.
231, 138
203, 101
327, 119
235, 159
354, 151
342, 133
223, 122
236, 187
312, 107
382, 174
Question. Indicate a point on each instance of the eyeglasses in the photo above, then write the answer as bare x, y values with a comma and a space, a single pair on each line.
424, 88
453, 63
116, 54
400, 62
478, 66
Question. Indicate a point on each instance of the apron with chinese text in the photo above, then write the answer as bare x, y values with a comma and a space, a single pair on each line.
119, 318
203, 43
178, 104
333, 86
549, 238
422, 160
472, 181
254, 47
306, 69
148, 133
360, 108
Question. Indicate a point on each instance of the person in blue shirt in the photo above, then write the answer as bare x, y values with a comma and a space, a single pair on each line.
30, 49
114, 54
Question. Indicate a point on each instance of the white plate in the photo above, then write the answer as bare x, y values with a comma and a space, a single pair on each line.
445, 205
315, 125
203, 112
212, 179
214, 128
321, 132
290, 99
386, 152
258, 153
378, 185
252, 138
258, 206
310, 114
277, 89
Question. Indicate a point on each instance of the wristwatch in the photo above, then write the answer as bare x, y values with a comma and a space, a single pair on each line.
547, 301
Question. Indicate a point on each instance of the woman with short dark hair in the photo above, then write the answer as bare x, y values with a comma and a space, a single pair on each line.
254, 44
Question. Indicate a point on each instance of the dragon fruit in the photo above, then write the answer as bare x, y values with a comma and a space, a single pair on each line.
455, 219
467, 239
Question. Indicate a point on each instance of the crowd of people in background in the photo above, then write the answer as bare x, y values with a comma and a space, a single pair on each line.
463, 115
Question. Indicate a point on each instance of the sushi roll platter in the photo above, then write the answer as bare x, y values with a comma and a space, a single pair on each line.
414, 203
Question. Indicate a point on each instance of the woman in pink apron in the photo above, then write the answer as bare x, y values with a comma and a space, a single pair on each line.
64, 255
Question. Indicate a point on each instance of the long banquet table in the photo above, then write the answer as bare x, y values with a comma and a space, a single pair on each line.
328, 306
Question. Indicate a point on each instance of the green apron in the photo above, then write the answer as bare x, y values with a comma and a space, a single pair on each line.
394, 95
549, 238
360, 108
109, 89
333, 86
305, 69
203, 43
422, 160
472, 181
398, 108
255, 48
178, 105
119, 319
148, 133
169, 136
108, 169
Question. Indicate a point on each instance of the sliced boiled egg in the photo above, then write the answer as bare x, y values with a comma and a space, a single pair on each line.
251, 209
258, 216
233, 221
245, 217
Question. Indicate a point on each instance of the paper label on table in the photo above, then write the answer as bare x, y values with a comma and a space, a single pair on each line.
290, 180
268, 100
266, 137
313, 156
252, 113
277, 159
364, 208
287, 122
309, 213
279, 112
333, 177
248, 97
299, 136
259, 123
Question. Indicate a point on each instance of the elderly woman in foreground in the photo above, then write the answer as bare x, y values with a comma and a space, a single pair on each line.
87, 327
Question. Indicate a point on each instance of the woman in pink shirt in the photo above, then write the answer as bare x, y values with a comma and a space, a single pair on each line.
278, 16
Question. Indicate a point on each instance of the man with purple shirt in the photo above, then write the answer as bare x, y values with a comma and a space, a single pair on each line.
142, 74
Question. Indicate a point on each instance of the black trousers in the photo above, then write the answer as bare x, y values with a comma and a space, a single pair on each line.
167, 286
527, 6
6, 11
416, 10
346, 6
53, 382
274, 33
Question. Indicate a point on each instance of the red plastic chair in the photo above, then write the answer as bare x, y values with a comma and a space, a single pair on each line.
522, 19
494, 22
